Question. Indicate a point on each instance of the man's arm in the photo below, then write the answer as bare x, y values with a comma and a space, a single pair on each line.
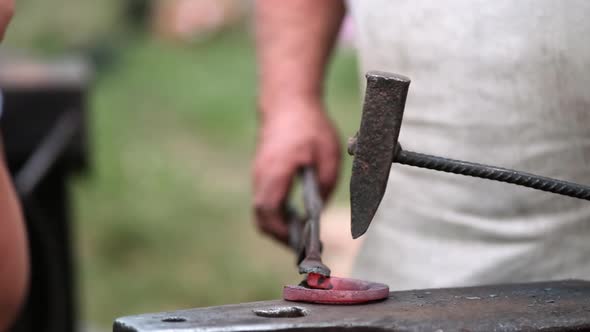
294, 40
14, 259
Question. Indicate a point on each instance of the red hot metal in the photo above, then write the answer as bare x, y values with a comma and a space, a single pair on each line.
342, 291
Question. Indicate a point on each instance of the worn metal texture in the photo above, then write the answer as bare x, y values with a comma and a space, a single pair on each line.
374, 147
304, 232
493, 173
557, 306
312, 263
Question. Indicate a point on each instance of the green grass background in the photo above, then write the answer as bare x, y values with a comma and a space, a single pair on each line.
163, 220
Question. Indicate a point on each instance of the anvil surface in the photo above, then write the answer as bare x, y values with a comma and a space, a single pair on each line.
543, 306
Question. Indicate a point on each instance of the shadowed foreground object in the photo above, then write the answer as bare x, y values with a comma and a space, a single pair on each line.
557, 306
44, 129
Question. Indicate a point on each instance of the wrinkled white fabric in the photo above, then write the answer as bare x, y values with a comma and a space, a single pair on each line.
502, 82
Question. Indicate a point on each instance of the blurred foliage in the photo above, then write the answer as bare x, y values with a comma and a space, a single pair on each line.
163, 220
56, 25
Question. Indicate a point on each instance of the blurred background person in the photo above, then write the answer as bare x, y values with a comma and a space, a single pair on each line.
502, 82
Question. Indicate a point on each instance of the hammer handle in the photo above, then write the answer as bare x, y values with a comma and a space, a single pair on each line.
492, 173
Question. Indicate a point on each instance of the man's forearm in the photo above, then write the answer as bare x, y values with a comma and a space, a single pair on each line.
13, 251
294, 41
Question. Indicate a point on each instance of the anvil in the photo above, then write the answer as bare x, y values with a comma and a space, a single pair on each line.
557, 306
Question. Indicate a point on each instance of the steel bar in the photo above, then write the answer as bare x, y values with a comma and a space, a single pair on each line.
493, 173
47, 153
557, 306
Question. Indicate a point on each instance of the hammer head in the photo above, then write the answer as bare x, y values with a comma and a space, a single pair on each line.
374, 145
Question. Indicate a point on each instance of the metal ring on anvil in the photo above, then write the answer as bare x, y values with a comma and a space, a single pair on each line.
344, 291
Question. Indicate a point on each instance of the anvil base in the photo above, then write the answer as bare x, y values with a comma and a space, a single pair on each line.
543, 306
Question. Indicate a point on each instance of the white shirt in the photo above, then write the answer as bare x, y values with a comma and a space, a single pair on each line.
502, 82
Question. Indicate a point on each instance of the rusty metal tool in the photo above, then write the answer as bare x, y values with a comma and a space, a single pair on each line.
304, 232
304, 238
558, 306
375, 147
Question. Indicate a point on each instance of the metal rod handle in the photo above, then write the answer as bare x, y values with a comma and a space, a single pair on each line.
312, 263
492, 173
313, 205
42, 159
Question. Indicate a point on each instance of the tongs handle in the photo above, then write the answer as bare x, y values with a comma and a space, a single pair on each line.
300, 224
304, 233
313, 206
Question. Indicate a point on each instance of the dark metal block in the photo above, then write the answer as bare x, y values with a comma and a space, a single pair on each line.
544, 306
44, 133
375, 145
36, 94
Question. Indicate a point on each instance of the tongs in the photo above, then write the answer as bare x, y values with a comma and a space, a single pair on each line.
304, 231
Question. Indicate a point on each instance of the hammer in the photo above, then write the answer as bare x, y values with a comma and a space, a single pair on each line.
375, 147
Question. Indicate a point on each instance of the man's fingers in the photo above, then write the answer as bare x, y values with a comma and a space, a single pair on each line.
328, 168
288, 143
273, 223
271, 186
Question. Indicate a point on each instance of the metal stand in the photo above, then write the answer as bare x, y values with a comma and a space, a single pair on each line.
44, 135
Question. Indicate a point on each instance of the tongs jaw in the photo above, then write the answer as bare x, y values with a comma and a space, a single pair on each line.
304, 232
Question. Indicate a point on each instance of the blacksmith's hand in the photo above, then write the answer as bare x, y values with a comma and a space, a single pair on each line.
290, 137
